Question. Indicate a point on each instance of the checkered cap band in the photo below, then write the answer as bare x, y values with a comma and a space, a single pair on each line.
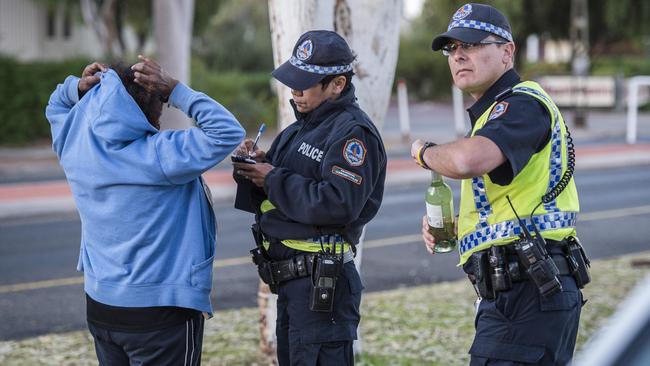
475, 24
316, 69
512, 229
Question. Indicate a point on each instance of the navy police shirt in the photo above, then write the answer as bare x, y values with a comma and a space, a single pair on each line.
330, 167
521, 131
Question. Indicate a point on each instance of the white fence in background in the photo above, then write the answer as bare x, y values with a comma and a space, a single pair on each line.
633, 87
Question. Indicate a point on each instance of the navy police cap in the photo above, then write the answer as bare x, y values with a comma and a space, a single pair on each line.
317, 54
472, 23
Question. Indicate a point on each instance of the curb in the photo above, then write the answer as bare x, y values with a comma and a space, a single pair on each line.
54, 197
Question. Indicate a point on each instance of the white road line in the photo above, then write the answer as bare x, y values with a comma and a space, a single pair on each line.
613, 214
377, 243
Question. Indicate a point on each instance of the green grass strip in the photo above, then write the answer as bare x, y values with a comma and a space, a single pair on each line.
424, 325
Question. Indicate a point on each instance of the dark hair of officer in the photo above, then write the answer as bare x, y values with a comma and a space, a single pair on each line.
150, 103
348, 80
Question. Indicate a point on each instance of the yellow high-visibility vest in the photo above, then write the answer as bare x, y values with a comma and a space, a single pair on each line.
313, 246
486, 218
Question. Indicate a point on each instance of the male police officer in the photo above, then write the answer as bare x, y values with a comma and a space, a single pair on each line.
517, 151
320, 182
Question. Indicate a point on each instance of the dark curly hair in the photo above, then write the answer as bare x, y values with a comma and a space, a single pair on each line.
150, 103
328, 79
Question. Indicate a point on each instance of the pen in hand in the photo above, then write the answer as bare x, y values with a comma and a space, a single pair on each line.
257, 138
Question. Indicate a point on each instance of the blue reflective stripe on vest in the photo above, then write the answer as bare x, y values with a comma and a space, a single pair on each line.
481, 202
506, 229
555, 157
555, 173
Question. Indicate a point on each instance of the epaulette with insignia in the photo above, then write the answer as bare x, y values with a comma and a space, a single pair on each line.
501, 96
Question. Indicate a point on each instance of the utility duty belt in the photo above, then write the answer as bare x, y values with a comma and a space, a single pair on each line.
275, 272
497, 268
324, 268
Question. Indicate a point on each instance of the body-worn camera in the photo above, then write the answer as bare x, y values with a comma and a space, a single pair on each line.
326, 270
538, 264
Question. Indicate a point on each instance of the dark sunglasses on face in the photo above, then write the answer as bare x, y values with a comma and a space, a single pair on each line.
451, 47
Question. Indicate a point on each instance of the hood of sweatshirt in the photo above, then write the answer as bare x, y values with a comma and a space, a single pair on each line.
114, 115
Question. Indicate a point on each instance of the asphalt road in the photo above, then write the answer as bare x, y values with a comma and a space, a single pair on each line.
40, 291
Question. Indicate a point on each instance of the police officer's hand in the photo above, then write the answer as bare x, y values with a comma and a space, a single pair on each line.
429, 240
151, 76
415, 149
244, 149
256, 173
88, 77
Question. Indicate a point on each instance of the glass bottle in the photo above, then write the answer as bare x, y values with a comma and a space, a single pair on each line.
440, 214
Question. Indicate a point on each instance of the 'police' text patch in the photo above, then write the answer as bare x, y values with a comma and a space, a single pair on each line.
346, 174
498, 110
354, 152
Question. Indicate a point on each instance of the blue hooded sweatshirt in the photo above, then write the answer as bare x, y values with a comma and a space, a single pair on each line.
147, 227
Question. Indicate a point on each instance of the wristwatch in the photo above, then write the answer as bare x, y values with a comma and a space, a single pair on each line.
424, 147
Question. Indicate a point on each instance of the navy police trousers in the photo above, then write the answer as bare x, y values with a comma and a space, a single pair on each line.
521, 327
309, 338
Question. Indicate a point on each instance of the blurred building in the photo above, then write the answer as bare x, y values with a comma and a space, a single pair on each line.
32, 31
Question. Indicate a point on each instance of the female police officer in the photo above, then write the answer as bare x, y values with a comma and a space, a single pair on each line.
320, 182
517, 151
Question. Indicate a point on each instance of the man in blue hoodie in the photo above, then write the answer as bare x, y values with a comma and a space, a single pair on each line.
148, 228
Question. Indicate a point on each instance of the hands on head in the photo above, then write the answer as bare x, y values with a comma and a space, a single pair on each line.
153, 78
88, 77
148, 73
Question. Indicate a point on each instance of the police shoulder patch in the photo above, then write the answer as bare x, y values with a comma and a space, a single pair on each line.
346, 174
498, 110
354, 152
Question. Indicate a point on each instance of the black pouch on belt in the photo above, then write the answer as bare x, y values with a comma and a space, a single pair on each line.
578, 262
478, 271
261, 259
499, 275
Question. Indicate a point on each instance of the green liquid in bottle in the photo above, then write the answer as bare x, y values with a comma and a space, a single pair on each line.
440, 214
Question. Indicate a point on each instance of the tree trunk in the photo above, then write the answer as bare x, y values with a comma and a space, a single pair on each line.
371, 28
172, 23
101, 17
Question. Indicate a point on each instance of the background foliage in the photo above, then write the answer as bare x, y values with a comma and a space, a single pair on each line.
26, 88
232, 55
231, 62
619, 37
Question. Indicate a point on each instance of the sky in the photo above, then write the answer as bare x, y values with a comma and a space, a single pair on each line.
412, 8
